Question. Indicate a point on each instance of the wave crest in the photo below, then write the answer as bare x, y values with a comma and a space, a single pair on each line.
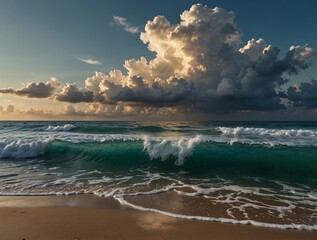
267, 132
23, 149
165, 148
66, 127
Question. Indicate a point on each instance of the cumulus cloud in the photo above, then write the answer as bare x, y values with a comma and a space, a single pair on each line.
70, 110
303, 94
254, 48
90, 61
34, 90
10, 108
122, 22
71, 93
199, 67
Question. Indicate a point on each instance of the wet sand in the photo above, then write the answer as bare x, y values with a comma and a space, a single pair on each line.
89, 217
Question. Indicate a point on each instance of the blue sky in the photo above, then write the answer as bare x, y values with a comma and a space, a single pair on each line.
40, 39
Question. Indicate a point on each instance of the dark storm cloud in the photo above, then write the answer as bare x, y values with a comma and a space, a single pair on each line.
171, 92
72, 94
304, 94
34, 90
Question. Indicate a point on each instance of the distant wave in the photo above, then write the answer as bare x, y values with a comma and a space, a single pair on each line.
166, 144
23, 149
267, 132
66, 127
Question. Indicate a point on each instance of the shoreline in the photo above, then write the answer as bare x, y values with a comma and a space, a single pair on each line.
92, 217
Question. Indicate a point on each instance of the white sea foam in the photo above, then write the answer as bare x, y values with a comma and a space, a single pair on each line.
119, 195
23, 148
235, 197
102, 180
61, 181
121, 200
165, 148
66, 127
60, 193
267, 132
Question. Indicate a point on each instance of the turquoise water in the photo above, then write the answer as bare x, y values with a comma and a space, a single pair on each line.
261, 173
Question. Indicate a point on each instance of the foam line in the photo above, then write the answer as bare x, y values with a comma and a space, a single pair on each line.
122, 201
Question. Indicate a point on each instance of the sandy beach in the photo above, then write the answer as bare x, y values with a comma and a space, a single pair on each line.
90, 217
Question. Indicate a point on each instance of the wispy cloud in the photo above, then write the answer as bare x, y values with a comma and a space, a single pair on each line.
122, 22
90, 61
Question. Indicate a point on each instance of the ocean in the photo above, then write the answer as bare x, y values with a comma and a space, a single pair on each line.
259, 173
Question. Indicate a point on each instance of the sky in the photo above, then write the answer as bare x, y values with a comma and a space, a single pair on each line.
117, 60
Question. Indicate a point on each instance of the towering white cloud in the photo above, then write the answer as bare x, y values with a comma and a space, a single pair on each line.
200, 66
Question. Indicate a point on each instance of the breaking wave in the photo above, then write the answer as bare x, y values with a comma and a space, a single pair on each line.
163, 148
66, 127
267, 132
23, 148
167, 148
